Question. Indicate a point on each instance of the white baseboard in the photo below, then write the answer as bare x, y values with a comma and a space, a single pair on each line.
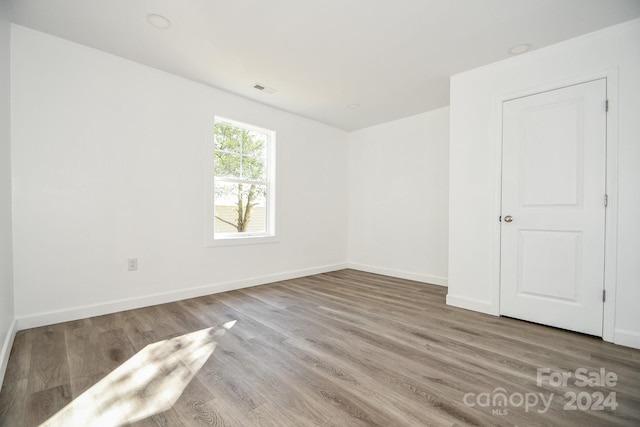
626, 338
473, 304
6, 349
82, 312
433, 280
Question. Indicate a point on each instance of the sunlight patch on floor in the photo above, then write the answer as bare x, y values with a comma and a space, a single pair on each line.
148, 383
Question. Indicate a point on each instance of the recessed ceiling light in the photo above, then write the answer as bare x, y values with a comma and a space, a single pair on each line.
518, 49
353, 106
158, 21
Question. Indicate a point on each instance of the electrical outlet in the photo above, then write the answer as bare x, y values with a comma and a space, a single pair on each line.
132, 264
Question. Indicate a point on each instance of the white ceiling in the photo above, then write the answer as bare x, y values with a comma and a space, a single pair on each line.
392, 57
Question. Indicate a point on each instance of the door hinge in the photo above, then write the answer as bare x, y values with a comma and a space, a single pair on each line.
606, 200
604, 295
606, 105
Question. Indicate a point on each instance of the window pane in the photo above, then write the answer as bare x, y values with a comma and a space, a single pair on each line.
255, 144
228, 138
254, 169
227, 165
240, 208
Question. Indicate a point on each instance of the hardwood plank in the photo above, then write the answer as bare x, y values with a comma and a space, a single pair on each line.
48, 366
20, 357
197, 406
13, 399
42, 405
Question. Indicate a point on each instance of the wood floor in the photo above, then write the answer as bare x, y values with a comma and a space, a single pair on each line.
339, 349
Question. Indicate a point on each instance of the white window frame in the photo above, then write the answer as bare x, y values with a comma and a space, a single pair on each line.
226, 239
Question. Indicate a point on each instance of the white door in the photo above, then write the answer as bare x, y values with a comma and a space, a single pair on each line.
553, 207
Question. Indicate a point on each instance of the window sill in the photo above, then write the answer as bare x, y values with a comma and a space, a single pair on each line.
241, 240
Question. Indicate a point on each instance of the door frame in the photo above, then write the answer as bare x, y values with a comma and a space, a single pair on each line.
611, 213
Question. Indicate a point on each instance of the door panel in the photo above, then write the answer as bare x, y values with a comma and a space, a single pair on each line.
553, 187
557, 280
550, 175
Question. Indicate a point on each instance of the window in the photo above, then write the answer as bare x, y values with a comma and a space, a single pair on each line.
243, 190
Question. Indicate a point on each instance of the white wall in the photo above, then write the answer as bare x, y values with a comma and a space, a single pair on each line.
476, 98
109, 163
398, 197
6, 270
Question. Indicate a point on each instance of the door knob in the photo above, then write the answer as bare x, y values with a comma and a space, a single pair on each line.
508, 218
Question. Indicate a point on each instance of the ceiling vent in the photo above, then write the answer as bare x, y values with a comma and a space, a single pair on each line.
263, 88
